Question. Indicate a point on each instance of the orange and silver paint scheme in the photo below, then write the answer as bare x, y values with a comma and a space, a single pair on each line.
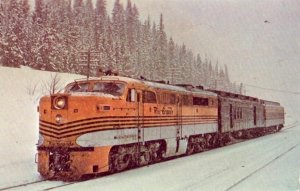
110, 123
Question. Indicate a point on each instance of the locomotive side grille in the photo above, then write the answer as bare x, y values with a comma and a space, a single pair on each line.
108, 123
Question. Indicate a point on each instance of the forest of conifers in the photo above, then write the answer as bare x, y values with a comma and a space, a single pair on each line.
55, 35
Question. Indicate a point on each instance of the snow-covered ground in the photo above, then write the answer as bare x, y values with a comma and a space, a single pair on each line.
19, 121
267, 163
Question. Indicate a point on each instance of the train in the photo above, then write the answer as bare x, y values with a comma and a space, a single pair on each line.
113, 123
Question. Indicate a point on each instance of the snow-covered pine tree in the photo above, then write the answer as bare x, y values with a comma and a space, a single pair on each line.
26, 27
199, 70
132, 26
216, 77
172, 67
100, 34
13, 35
182, 64
221, 80
110, 47
189, 72
145, 49
227, 80
154, 52
38, 35
162, 50
119, 35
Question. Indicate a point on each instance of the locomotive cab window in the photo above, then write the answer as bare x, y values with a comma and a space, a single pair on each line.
77, 87
149, 97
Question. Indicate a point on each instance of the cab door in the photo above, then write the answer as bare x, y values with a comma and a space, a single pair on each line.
179, 122
140, 115
133, 112
181, 140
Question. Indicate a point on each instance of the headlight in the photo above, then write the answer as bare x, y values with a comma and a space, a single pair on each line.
58, 119
59, 102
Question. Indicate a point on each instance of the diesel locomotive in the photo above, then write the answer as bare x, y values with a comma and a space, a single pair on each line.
113, 123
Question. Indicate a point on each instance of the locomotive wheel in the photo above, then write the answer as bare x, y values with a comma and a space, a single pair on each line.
145, 159
209, 140
198, 148
155, 152
239, 134
200, 144
191, 147
122, 162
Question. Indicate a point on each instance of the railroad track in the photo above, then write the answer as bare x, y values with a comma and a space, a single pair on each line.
262, 167
268, 163
296, 123
38, 185
21, 185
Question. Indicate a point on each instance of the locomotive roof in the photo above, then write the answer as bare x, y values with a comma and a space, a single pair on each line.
178, 88
273, 103
152, 84
234, 95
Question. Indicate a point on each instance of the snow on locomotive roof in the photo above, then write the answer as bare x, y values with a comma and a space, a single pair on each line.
152, 84
112, 78
178, 88
269, 102
234, 95
94, 94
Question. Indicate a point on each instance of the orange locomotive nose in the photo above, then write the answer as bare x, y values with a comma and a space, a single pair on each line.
64, 118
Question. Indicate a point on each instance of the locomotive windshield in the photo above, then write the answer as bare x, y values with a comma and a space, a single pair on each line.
112, 88
77, 87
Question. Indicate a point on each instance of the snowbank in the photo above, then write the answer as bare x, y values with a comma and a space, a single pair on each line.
19, 117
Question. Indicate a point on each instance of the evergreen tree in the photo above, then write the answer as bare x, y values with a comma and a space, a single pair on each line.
14, 35
39, 14
162, 49
100, 34
172, 67
118, 30
199, 70
154, 52
110, 47
182, 64
145, 49
57, 31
